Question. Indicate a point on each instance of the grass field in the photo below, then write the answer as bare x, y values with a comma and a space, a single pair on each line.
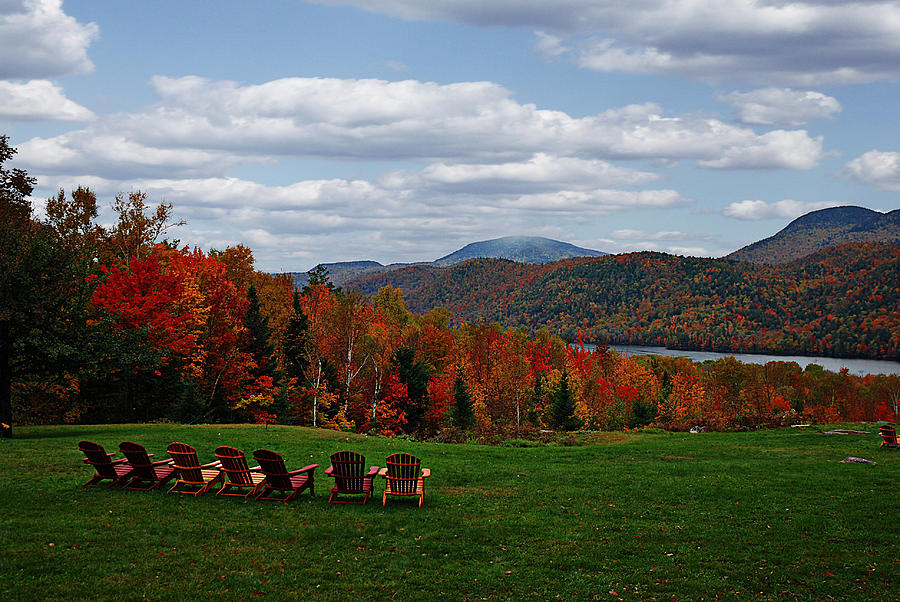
765, 515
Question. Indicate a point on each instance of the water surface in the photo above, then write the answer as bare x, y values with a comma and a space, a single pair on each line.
859, 367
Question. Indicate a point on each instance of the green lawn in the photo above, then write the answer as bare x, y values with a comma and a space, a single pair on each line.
636, 516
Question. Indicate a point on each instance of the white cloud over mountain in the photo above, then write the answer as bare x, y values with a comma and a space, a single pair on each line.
876, 168
788, 208
806, 42
197, 122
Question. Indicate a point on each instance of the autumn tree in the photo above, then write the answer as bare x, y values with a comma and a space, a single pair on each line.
139, 226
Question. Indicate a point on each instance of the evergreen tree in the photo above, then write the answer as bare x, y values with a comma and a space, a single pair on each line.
296, 342
260, 339
318, 276
563, 411
463, 413
414, 374
537, 396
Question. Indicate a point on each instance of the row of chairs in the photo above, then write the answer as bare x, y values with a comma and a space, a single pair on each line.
136, 470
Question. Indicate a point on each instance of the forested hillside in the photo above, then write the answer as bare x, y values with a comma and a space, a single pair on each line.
822, 229
838, 302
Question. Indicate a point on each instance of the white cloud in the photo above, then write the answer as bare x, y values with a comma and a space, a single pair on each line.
782, 149
781, 106
38, 40
640, 235
39, 99
790, 42
542, 172
197, 122
97, 153
549, 47
757, 210
876, 168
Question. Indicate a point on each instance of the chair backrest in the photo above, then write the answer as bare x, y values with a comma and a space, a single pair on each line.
348, 468
98, 458
139, 460
272, 465
889, 434
234, 463
402, 472
186, 462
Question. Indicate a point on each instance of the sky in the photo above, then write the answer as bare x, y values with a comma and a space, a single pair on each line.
402, 130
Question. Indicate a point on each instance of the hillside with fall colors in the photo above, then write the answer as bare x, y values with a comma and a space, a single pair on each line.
837, 302
821, 229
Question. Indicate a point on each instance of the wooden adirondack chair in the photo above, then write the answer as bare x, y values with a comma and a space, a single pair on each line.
889, 437
279, 479
238, 474
350, 477
104, 465
403, 477
190, 473
145, 474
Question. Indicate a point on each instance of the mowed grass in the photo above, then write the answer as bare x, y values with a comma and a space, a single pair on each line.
765, 515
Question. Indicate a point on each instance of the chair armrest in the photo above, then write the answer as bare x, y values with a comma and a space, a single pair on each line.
329, 471
373, 471
383, 472
309, 469
215, 464
256, 469
161, 462
426, 472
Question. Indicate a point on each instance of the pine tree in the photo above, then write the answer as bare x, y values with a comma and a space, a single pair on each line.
463, 414
563, 411
260, 336
414, 374
296, 342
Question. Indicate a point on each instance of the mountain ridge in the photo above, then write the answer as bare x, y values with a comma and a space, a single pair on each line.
819, 230
519, 249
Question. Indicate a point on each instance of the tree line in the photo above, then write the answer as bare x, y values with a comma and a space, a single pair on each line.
122, 324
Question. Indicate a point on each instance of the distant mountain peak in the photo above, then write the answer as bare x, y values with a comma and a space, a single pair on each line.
521, 249
822, 229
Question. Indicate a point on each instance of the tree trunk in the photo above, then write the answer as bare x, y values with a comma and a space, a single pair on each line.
5, 380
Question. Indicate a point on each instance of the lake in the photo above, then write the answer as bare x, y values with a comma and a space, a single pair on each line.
855, 366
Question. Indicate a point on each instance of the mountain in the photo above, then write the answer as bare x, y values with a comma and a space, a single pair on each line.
822, 229
835, 302
339, 273
521, 249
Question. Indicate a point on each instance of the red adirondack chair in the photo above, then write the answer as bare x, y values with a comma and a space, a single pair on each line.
238, 474
103, 463
350, 477
279, 479
190, 473
145, 474
403, 477
889, 437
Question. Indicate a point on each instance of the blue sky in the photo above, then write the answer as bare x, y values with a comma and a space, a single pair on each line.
401, 130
